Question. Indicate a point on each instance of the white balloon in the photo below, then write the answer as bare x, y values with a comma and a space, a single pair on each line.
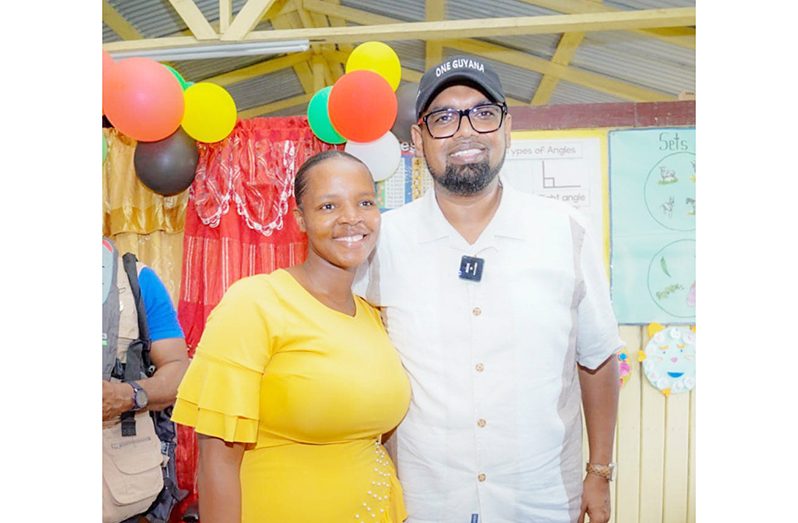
381, 156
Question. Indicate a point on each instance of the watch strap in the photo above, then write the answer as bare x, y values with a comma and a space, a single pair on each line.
138, 389
604, 471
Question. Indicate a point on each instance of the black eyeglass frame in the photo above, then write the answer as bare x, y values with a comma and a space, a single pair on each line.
467, 114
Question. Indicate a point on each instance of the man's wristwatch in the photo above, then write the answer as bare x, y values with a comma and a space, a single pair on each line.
604, 471
140, 399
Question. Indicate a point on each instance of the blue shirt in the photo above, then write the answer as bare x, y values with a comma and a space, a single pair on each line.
161, 314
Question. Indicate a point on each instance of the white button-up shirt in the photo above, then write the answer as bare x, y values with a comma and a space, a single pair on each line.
494, 426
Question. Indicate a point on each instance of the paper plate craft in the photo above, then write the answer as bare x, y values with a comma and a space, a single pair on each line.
669, 358
624, 369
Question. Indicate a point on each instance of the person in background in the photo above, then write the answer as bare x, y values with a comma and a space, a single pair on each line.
131, 391
294, 380
499, 307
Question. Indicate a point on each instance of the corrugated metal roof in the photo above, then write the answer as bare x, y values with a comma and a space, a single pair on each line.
625, 56
264, 89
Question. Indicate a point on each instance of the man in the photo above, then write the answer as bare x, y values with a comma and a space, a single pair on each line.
122, 397
500, 309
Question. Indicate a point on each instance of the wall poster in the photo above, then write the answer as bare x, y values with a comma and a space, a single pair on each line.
569, 166
653, 202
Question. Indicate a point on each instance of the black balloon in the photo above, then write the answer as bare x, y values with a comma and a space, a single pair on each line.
406, 111
167, 166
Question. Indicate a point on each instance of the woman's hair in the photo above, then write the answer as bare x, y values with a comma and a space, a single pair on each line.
301, 178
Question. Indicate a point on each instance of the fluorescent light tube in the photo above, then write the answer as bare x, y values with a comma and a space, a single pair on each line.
221, 50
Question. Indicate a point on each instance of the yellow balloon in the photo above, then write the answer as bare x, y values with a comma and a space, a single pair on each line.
379, 58
210, 112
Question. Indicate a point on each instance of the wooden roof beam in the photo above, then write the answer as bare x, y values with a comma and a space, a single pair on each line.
434, 10
225, 14
566, 48
601, 83
681, 36
194, 19
522, 25
515, 58
260, 69
118, 23
446, 29
246, 20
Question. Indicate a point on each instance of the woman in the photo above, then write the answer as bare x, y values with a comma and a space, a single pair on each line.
295, 380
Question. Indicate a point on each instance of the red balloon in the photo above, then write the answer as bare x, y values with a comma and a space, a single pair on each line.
362, 106
108, 62
142, 99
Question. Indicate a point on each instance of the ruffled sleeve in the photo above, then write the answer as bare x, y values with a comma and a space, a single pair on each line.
220, 393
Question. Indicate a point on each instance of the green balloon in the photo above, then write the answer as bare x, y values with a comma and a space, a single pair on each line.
105, 148
183, 84
319, 118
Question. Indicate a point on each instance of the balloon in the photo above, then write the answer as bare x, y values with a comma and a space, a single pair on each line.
362, 106
381, 156
406, 112
108, 63
142, 99
167, 166
105, 148
319, 118
379, 58
180, 79
210, 112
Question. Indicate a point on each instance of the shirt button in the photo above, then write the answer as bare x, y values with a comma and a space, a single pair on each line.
482, 477
476, 311
481, 422
480, 367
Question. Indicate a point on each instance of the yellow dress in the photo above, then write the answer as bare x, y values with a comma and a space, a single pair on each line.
312, 389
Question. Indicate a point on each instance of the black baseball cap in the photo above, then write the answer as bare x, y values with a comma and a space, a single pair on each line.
458, 70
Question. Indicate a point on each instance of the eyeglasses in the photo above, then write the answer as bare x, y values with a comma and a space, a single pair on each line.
484, 118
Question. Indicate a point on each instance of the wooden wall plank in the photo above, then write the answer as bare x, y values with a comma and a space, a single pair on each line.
677, 451
627, 457
652, 451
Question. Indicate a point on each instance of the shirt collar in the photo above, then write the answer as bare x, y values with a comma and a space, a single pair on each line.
504, 223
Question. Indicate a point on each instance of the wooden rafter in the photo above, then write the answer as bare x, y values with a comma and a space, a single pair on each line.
194, 19
118, 24
434, 10
322, 73
681, 36
613, 21
302, 70
566, 48
334, 69
604, 84
267, 67
520, 25
246, 20
225, 14
512, 57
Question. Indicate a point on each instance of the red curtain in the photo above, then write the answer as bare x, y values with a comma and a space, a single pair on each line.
239, 222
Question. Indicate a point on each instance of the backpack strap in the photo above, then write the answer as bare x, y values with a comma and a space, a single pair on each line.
139, 364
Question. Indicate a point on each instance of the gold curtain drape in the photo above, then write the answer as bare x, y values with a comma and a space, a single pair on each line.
139, 220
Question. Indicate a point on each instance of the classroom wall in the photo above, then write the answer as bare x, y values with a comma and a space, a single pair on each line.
655, 434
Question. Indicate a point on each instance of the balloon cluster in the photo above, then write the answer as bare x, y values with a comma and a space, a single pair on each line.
153, 104
364, 109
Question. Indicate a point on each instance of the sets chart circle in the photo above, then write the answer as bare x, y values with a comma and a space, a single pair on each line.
671, 278
669, 192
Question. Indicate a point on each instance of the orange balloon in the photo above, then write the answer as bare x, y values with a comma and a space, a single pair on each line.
362, 106
142, 99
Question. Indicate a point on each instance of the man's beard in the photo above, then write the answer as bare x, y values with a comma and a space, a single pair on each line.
467, 179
